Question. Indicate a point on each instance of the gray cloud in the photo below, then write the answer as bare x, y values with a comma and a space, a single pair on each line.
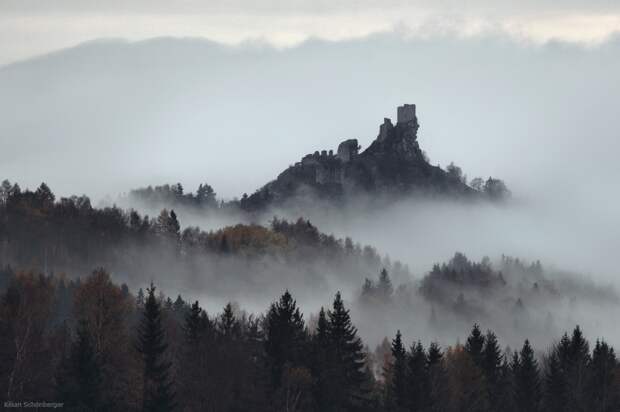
33, 27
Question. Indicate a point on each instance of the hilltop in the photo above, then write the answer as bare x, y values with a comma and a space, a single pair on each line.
393, 164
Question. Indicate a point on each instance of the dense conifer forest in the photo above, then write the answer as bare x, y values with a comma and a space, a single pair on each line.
90, 344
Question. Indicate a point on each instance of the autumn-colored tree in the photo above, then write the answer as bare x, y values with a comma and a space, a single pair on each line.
106, 310
465, 385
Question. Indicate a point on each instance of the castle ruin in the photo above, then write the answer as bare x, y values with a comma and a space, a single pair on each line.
406, 114
329, 168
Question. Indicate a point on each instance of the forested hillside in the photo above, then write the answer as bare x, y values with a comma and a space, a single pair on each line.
68, 235
90, 344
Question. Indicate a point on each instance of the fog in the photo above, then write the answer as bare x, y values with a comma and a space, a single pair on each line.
112, 115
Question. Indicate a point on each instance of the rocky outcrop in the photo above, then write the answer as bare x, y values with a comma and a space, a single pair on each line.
393, 163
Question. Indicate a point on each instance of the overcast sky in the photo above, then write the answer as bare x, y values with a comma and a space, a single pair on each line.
31, 27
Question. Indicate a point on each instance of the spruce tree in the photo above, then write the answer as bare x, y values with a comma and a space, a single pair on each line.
554, 398
398, 378
349, 357
285, 336
435, 355
384, 287
491, 365
193, 324
437, 378
504, 398
418, 382
475, 345
527, 380
228, 325
79, 381
602, 388
195, 363
322, 365
158, 395
179, 305
577, 371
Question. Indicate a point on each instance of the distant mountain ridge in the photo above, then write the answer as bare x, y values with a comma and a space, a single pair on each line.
392, 164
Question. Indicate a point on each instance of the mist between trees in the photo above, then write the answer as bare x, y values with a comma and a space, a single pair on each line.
246, 262
93, 345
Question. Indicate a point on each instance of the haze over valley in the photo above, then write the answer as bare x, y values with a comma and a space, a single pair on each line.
417, 205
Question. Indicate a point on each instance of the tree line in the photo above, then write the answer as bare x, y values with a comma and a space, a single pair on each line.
93, 345
37, 230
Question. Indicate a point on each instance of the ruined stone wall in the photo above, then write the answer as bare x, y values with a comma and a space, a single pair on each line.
406, 113
348, 150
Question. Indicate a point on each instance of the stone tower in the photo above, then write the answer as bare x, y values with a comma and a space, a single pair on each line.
406, 113
348, 150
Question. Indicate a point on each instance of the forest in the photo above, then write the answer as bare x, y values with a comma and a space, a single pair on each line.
92, 345
80, 339
69, 235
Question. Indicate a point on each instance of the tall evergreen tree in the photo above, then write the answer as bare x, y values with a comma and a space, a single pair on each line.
349, 357
437, 378
603, 388
435, 355
79, 383
418, 380
228, 325
158, 394
285, 336
577, 368
398, 379
195, 389
491, 367
475, 345
384, 287
554, 397
503, 400
192, 323
527, 380
322, 365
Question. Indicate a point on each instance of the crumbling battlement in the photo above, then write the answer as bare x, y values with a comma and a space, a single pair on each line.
348, 150
400, 140
406, 114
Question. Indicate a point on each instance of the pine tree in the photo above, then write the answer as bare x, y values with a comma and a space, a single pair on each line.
174, 226
437, 378
504, 398
349, 357
194, 382
179, 305
285, 336
491, 365
418, 382
474, 345
384, 287
79, 383
527, 380
434, 356
322, 366
577, 371
158, 394
193, 324
398, 379
228, 325
254, 392
602, 389
554, 399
